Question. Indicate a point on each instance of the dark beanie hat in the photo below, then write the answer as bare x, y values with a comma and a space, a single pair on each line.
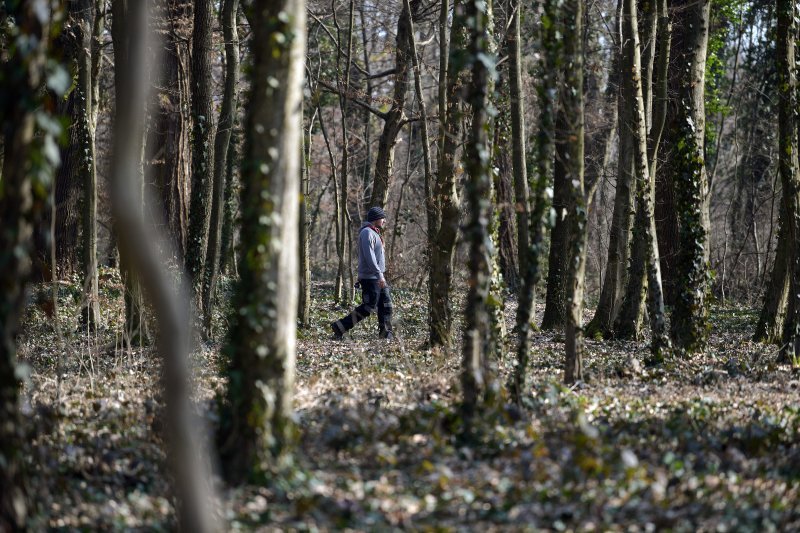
375, 213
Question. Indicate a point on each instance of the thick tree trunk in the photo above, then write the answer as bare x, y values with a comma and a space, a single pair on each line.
168, 151
555, 308
227, 120
789, 166
23, 198
135, 330
769, 328
202, 143
258, 423
572, 104
690, 312
445, 203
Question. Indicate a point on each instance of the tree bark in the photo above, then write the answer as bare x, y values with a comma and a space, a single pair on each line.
789, 167
572, 104
615, 276
203, 129
444, 216
168, 153
227, 120
23, 199
690, 312
257, 425
395, 117
538, 183
521, 202
769, 328
475, 381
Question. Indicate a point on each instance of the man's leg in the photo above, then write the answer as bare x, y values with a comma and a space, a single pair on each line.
385, 314
369, 301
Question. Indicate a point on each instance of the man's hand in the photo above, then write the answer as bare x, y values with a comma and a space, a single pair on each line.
382, 283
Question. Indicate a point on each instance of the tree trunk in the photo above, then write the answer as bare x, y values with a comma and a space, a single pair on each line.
446, 209
517, 111
23, 198
555, 307
475, 380
257, 423
789, 167
572, 105
148, 253
304, 303
226, 247
646, 247
90, 312
769, 329
538, 183
227, 119
394, 117
136, 330
690, 312
168, 153
615, 274
202, 143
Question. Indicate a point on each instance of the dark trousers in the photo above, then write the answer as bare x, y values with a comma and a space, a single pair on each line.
373, 299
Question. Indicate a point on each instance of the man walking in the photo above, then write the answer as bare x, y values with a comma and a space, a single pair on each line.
374, 290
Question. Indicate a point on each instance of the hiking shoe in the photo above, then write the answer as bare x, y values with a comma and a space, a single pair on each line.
338, 334
387, 335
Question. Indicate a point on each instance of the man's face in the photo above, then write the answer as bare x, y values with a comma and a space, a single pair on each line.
379, 223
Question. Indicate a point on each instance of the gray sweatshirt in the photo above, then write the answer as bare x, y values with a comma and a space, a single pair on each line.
371, 261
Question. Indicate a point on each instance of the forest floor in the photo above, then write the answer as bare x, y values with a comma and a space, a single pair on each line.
710, 443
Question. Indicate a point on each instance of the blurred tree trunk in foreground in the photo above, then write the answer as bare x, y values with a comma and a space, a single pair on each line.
256, 425
146, 251
25, 184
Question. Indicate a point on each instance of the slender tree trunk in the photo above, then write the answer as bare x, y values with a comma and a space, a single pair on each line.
343, 249
202, 144
644, 232
690, 312
227, 120
82, 12
446, 205
475, 381
258, 425
23, 198
304, 303
518, 133
395, 117
538, 183
572, 104
226, 246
